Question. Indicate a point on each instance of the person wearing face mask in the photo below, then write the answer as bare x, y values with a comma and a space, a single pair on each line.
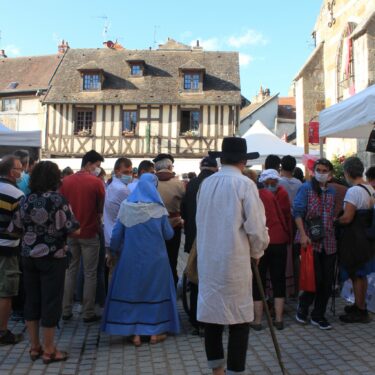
278, 214
85, 193
314, 208
356, 251
23, 181
115, 194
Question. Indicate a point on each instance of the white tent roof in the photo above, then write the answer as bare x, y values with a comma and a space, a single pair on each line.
351, 118
260, 139
10, 137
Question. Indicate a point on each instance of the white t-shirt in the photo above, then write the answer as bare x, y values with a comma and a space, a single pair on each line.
359, 197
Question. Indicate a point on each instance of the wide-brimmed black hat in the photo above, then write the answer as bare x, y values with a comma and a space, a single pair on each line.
164, 156
234, 148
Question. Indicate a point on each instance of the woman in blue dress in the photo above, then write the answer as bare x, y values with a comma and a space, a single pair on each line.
142, 297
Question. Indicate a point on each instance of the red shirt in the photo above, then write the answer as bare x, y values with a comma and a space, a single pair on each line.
85, 193
275, 221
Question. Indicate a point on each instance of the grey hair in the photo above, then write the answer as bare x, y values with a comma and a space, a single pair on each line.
163, 164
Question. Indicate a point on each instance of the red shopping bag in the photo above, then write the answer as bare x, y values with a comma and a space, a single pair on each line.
307, 271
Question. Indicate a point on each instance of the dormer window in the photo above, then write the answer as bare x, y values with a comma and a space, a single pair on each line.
192, 74
91, 81
136, 70
92, 76
137, 65
191, 81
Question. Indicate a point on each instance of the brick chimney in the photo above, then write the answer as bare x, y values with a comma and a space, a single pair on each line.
2, 54
63, 47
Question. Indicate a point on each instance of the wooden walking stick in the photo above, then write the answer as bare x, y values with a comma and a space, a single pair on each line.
268, 315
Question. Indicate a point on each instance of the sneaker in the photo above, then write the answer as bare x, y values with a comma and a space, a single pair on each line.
9, 338
321, 323
301, 317
93, 319
356, 316
17, 316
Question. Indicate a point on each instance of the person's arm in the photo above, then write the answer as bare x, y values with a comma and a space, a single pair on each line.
117, 238
167, 229
299, 212
348, 215
255, 225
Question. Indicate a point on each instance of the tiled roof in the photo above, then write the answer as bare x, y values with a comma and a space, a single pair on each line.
91, 65
253, 107
27, 73
160, 84
287, 108
192, 65
173, 45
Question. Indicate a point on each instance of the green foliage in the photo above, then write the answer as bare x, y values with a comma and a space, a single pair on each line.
338, 166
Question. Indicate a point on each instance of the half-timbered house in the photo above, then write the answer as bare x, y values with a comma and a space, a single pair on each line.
176, 99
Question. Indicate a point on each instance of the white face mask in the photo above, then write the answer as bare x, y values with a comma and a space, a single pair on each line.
96, 171
321, 177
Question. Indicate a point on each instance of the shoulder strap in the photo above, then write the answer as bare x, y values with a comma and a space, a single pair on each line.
364, 187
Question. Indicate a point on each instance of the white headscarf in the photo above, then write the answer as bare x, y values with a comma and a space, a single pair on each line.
269, 174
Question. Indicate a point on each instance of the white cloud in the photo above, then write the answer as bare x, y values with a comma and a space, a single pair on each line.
12, 50
245, 59
210, 44
250, 37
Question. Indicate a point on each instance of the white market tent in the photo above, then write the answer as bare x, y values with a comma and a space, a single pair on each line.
262, 140
13, 138
351, 118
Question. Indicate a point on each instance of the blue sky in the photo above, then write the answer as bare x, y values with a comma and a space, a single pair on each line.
273, 37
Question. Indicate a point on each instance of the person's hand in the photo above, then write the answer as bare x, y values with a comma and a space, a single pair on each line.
255, 261
305, 240
109, 261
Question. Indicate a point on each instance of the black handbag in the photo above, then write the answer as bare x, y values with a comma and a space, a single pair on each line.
315, 228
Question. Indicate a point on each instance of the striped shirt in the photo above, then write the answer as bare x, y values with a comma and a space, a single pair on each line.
10, 197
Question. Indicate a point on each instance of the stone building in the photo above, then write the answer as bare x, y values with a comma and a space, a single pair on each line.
342, 64
23, 83
176, 99
276, 113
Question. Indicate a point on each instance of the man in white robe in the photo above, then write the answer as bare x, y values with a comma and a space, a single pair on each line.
231, 229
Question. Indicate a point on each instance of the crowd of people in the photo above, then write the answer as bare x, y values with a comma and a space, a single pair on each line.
113, 245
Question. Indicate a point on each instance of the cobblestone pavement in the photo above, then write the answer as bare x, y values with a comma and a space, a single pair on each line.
347, 349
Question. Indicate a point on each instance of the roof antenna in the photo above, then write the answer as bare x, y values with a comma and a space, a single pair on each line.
106, 27
155, 30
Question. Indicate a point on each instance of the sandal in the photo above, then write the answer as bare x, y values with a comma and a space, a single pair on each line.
36, 353
158, 338
52, 357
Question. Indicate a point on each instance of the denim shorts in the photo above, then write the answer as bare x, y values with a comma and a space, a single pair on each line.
9, 276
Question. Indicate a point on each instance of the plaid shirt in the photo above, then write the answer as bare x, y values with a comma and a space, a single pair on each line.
307, 204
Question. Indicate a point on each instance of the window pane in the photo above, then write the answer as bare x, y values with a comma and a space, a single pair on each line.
9, 104
84, 121
130, 121
136, 70
91, 82
195, 85
187, 81
194, 121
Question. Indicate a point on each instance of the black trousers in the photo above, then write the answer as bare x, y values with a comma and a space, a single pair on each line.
193, 305
19, 300
274, 260
237, 346
324, 274
173, 245
44, 288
